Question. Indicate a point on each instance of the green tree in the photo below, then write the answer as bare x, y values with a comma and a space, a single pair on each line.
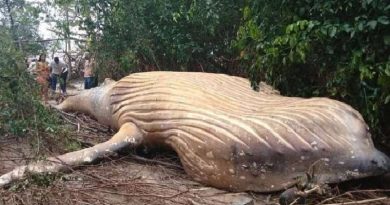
22, 19
332, 48
162, 35
21, 113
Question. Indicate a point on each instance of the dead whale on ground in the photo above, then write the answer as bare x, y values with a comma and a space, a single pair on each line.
226, 135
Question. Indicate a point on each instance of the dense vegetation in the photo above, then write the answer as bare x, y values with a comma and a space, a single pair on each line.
334, 48
338, 49
21, 113
163, 35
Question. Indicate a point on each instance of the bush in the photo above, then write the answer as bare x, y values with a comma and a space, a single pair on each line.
330, 48
21, 113
146, 35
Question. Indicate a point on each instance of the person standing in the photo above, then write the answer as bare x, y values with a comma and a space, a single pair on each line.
43, 77
88, 73
57, 68
63, 79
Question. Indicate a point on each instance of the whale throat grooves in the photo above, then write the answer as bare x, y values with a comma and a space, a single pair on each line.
228, 135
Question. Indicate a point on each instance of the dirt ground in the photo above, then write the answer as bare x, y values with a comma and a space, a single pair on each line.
141, 176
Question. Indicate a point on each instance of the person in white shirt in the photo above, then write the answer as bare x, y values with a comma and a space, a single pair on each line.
58, 69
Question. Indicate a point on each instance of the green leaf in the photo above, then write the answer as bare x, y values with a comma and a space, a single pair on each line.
352, 34
387, 100
360, 26
310, 26
347, 28
247, 12
383, 20
324, 31
333, 31
372, 24
387, 71
289, 28
301, 25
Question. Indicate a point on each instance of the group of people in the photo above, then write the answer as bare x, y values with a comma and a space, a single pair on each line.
49, 75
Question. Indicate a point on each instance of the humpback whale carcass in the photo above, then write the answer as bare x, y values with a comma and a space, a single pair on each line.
226, 134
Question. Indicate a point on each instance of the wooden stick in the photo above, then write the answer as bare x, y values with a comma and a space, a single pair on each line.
350, 192
361, 201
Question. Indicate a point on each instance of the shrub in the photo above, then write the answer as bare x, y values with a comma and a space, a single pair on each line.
21, 113
330, 48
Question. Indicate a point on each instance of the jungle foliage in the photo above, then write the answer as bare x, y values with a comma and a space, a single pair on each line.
146, 35
21, 113
338, 49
